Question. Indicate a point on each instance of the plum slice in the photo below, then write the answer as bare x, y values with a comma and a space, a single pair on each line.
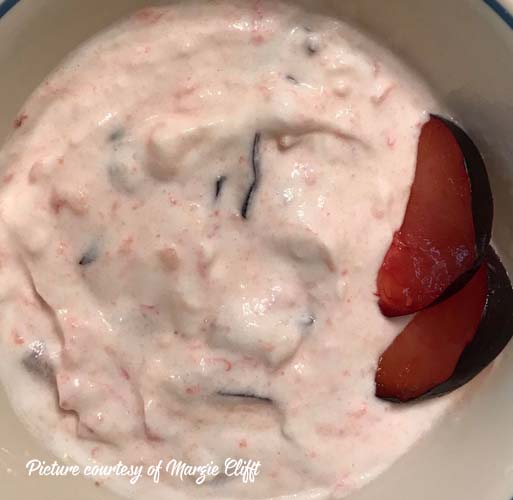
448, 344
446, 227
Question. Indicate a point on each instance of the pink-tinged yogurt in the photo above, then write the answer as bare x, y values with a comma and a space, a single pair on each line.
194, 209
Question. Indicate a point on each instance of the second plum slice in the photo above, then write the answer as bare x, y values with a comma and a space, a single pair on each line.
426, 353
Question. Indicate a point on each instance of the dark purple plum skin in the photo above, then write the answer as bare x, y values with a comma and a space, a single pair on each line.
492, 336
482, 203
482, 199
494, 332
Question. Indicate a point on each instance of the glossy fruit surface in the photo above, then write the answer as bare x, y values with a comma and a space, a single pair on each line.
427, 351
448, 344
446, 227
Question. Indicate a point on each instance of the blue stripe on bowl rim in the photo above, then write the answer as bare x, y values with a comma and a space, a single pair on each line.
6, 6
495, 5
502, 11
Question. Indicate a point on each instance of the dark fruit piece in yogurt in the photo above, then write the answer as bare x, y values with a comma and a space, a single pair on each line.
448, 344
245, 395
36, 361
256, 174
219, 185
446, 227
89, 256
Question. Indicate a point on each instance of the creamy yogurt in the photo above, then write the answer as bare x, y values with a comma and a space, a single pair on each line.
194, 209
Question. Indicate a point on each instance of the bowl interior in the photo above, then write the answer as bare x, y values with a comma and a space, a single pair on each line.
464, 49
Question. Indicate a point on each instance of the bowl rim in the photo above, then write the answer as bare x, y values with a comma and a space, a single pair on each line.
6, 6
502, 11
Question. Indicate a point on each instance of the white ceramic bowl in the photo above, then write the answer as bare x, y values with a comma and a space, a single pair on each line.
464, 48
